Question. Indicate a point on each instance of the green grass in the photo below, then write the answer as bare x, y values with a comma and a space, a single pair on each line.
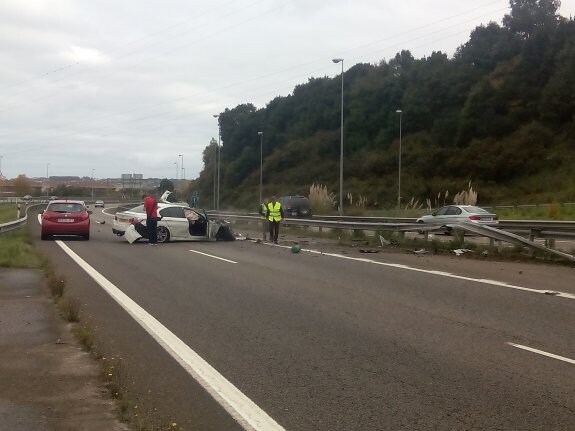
16, 250
8, 213
547, 212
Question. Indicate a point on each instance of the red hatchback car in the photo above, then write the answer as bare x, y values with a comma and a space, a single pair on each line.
64, 217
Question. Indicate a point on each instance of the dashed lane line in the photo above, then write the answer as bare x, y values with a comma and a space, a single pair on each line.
212, 256
542, 352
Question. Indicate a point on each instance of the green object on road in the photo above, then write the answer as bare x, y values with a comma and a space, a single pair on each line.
296, 248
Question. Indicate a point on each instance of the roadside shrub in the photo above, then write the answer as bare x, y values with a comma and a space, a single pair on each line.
320, 199
554, 211
70, 310
56, 283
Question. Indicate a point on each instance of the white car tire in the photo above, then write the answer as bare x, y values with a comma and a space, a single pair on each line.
163, 234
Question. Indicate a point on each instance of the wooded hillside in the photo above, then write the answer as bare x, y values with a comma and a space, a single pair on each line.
500, 114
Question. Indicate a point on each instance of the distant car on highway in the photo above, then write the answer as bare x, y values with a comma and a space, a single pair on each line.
460, 214
66, 217
99, 204
295, 206
52, 198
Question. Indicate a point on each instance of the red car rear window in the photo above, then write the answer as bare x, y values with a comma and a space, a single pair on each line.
66, 208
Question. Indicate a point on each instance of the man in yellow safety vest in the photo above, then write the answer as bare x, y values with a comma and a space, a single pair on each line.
274, 214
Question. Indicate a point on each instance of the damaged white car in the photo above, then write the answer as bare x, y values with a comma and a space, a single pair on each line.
177, 222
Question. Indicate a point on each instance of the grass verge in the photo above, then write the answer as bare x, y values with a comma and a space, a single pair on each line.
8, 212
17, 251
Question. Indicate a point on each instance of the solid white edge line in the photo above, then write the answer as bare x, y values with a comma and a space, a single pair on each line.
212, 256
541, 352
440, 273
249, 415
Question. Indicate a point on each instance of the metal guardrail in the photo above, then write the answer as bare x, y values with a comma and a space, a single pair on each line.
503, 232
533, 228
10, 226
16, 224
502, 235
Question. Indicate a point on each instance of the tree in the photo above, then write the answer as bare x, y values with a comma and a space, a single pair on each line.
488, 46
22, 185
558, 101
527, 16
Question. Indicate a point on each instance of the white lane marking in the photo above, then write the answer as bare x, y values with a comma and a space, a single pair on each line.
541, 352
212, 256
440, 273
250, 416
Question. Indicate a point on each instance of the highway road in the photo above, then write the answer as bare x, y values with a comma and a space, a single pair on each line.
334, 341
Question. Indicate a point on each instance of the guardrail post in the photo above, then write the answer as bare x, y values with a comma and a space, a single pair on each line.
495, 244
459, 237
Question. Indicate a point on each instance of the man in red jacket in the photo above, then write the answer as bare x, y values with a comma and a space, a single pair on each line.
151, 207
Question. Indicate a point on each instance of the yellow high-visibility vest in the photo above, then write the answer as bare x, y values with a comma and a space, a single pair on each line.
275, 213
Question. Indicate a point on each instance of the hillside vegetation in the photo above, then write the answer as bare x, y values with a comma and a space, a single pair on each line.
499, 114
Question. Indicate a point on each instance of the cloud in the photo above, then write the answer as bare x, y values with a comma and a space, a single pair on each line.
124, 87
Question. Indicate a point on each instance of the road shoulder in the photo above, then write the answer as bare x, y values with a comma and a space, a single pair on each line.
47, 381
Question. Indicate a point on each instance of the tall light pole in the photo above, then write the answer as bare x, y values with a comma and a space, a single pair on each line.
215, 144
47, 178
219, 158
183, 170
400, 112
1, 176
340, 60
92, 184
176, 163
261, 163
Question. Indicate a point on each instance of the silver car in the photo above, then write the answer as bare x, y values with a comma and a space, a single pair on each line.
459, 214
178, 222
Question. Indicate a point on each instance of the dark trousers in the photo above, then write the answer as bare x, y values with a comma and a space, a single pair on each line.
274, 230
265, 228
152, 225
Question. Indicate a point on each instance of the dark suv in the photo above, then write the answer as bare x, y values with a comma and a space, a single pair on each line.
295, 206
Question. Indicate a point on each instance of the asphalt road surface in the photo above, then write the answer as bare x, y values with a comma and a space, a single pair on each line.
329, 341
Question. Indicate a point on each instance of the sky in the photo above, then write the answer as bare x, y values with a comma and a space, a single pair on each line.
105, 87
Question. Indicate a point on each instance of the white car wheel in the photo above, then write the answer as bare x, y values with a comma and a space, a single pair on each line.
163, 234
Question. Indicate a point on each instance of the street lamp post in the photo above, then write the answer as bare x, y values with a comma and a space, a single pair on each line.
47, 178
400, 112
219, 158
183, 169
340, 60
92, 185
176, 163
215, 143
261, 163
1, 175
